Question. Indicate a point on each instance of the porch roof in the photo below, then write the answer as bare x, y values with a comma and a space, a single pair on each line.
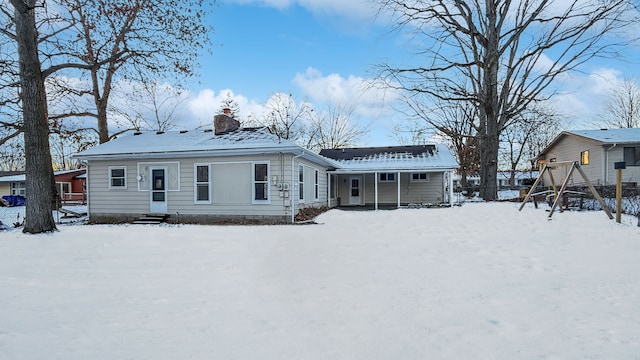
422, 158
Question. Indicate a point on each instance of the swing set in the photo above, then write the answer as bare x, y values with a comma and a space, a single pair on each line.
559, 194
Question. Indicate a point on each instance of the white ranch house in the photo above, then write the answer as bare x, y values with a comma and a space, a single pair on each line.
250, 174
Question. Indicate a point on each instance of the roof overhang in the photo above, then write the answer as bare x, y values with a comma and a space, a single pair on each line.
294, 150
342, 171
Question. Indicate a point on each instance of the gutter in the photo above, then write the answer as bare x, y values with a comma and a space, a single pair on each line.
606, 162
293, 208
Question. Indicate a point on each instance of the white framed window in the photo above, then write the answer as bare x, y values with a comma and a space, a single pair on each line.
260, 180
63, 188
18, 188
631, 155
316, 185
387, 177
202, 186
419, 177
301, 183
117, 177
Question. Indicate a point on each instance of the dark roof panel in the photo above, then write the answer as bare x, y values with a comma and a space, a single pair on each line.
365, 152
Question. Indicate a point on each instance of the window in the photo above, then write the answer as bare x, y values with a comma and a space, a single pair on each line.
632, 156
18, 188
316, 186
301, 182
63, 188
202, 186
117, 177
419, 177
584, 157
387, 177
260, 183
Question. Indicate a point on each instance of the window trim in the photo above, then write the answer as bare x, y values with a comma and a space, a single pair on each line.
301, 183
636, 151
386, 179
266, 181
196, 183
418, 180
111, 178
19, 187
316, 185
584, 155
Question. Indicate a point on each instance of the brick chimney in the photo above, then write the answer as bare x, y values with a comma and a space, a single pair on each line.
224, 123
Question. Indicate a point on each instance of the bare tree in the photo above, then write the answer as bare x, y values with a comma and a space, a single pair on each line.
149, 105
623, 106
457, 123
529, 126
501, 56
286, 118
133, 38
39, 172
333, 127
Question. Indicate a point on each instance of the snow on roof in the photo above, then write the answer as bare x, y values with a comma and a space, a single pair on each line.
243, 141
393, 158
610, 136
183, 141
20, 176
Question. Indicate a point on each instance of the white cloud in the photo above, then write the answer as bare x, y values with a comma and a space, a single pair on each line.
206, 103
368, 99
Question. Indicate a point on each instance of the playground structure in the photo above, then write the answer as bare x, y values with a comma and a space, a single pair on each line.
559, 194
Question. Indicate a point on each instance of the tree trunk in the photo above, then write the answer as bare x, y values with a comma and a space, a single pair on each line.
39, 170
490, 108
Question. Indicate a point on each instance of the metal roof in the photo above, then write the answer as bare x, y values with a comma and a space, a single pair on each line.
181, 144
393, 158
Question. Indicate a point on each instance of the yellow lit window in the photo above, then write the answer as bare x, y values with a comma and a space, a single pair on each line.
584, 157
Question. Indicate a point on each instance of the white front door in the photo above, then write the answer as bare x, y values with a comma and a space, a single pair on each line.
158, 191
355, 189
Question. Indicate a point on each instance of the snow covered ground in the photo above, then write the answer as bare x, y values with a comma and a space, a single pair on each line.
480, 281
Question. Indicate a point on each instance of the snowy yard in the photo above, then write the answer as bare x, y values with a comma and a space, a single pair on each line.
480, 281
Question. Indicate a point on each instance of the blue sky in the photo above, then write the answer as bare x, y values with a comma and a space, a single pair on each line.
325, 50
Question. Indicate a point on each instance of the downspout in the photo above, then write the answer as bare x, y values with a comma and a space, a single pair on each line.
451, 188
606, 162
86, 184
328, 190
293, 212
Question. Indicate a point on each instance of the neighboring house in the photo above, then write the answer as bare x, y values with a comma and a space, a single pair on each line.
392, 176
521, 178
12, 183
70, 184
503, 179
247, 174
596, 151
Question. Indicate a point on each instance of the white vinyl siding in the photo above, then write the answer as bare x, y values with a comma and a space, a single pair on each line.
118, 177
231, 186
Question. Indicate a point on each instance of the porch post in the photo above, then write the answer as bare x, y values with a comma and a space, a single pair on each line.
328, 189
376, 189
398, 189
